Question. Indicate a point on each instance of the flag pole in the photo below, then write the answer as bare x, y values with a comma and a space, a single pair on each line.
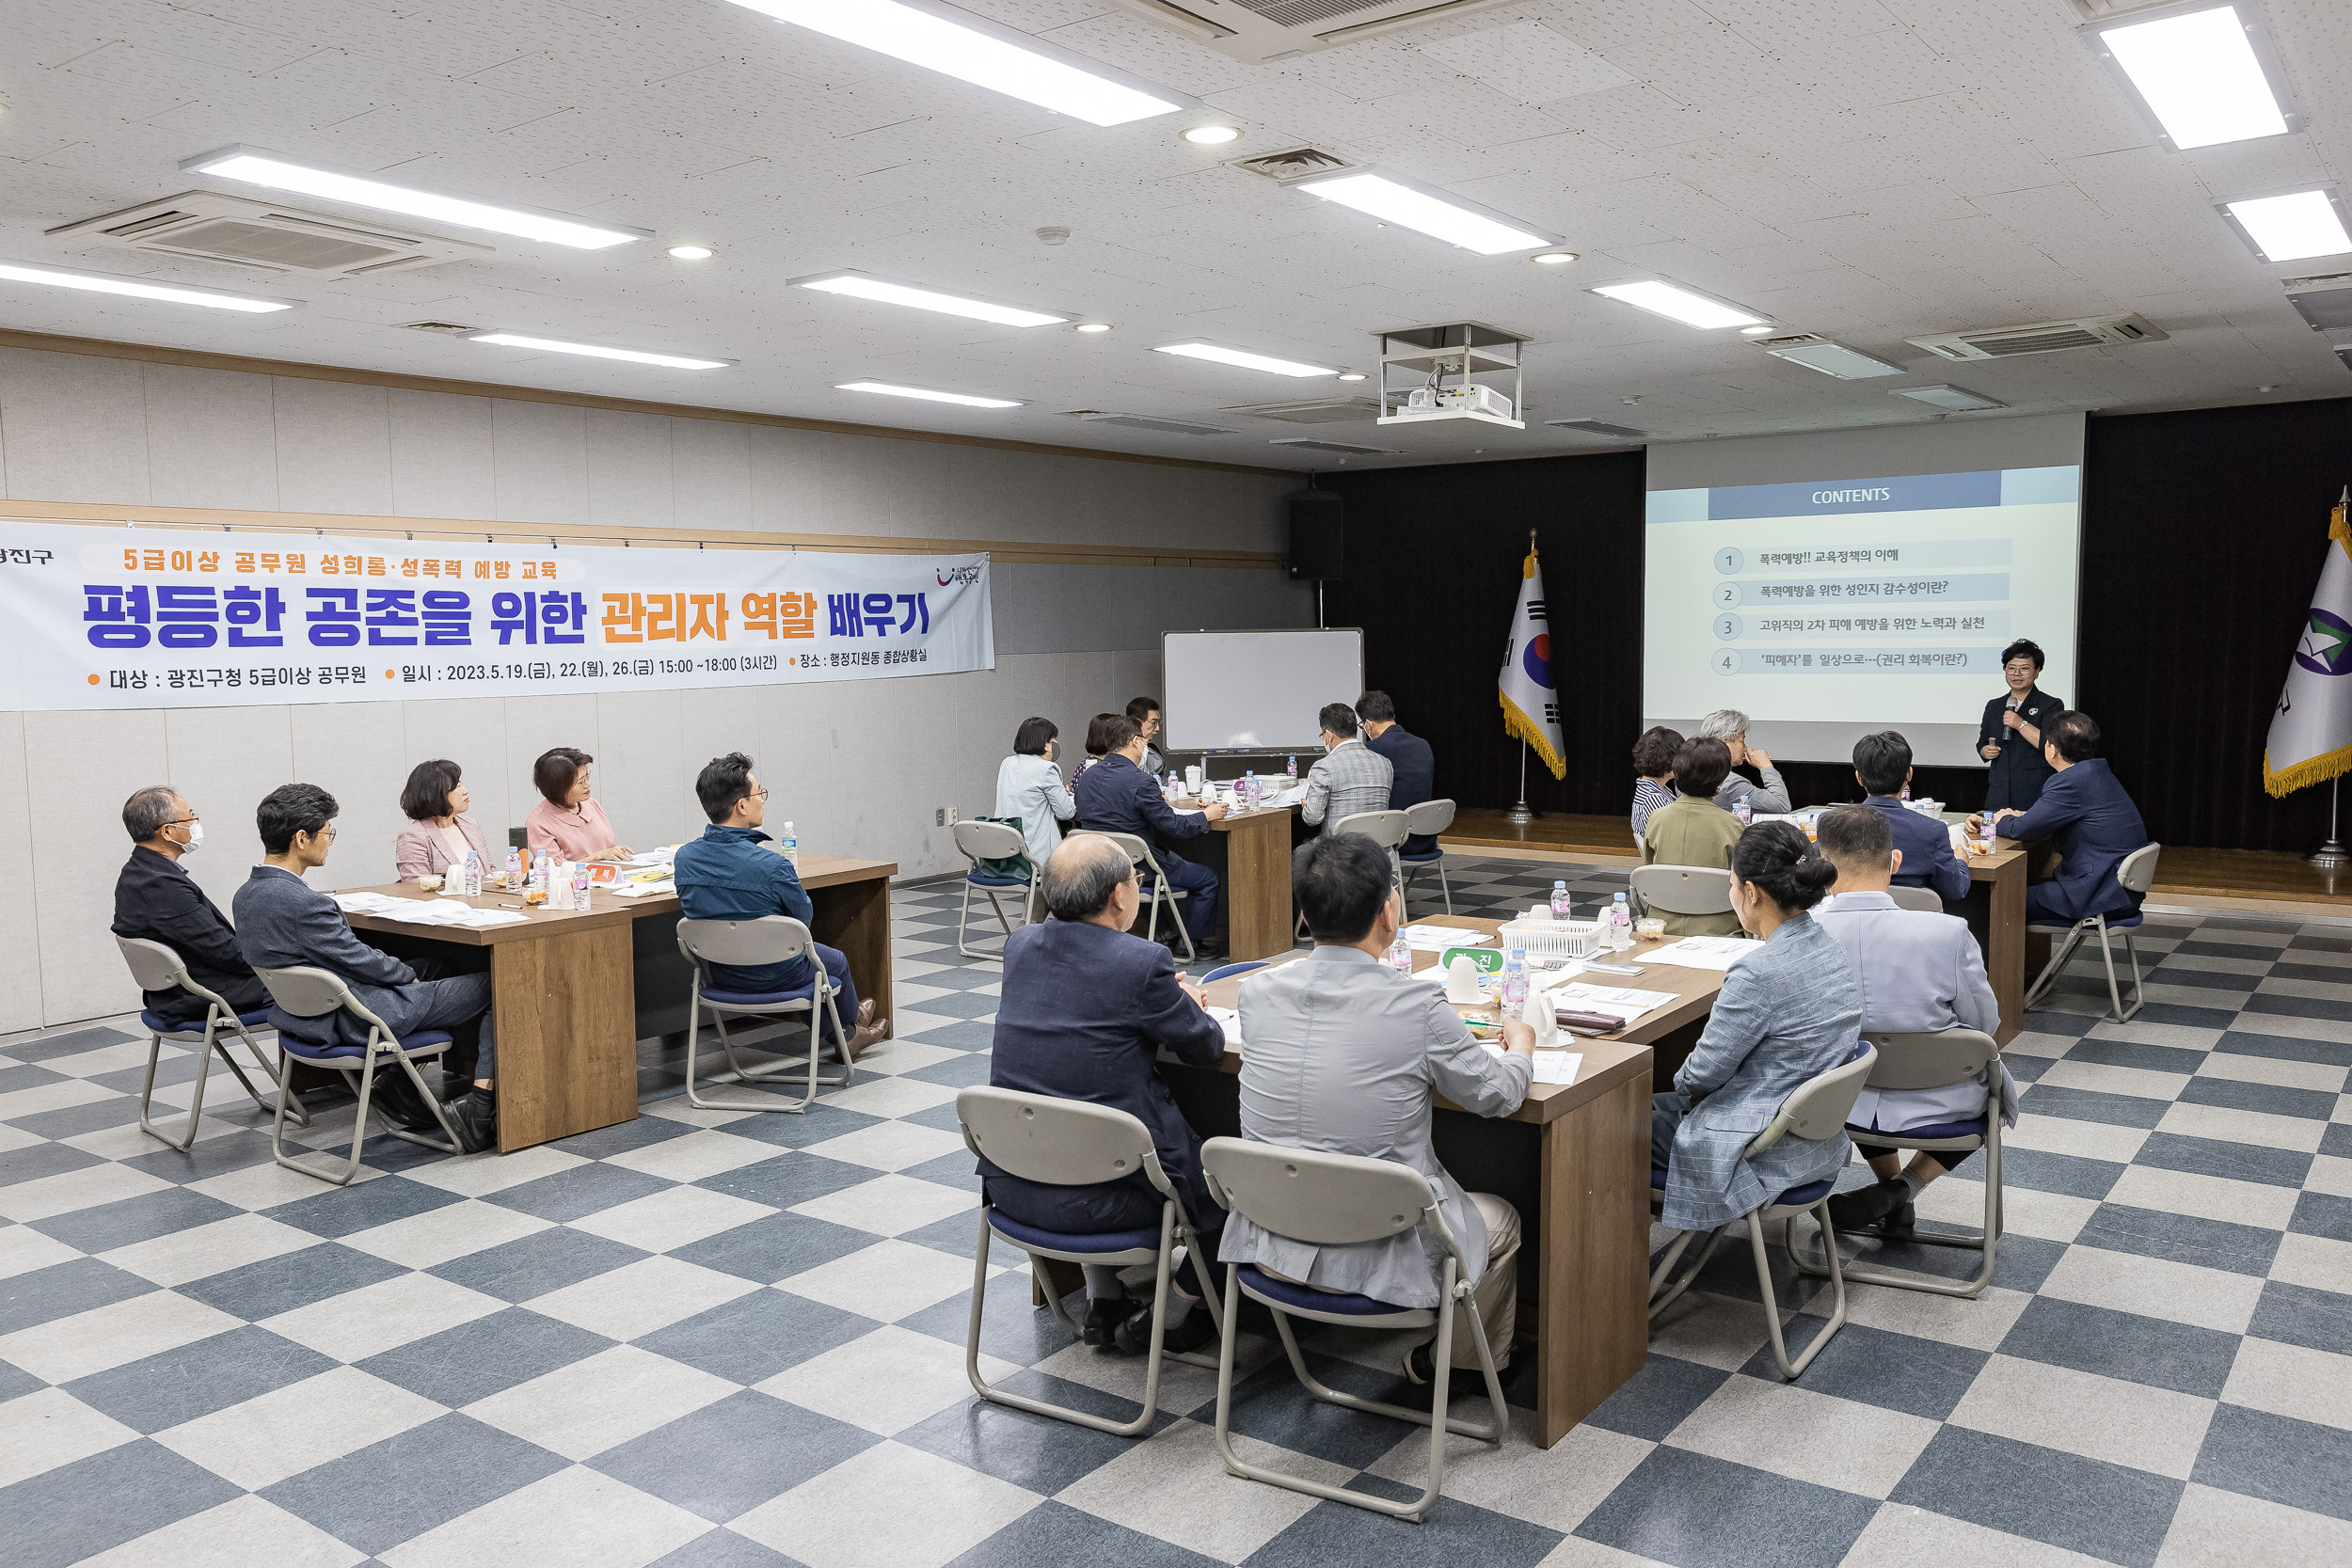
2332, 854
1518, 816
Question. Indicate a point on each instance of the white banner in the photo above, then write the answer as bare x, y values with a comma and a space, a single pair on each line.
115, 617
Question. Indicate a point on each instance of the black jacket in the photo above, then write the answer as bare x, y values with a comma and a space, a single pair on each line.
2020, 772
156, 899
1414, 771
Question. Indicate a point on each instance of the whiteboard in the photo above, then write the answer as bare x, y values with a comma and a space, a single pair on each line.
1256, 691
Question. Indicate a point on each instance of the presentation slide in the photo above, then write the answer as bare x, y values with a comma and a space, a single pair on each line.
1856, 599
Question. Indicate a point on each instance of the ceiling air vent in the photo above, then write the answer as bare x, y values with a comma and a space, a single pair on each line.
1299, 162
1597, 427
214, 228
2001, 342
1154, 422
1307, 443
447, 330
2326, 302
1816, 353
1259, 31
1311, 410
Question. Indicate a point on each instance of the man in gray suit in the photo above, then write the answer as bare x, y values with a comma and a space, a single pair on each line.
283, 922
1920, 972
1351, 777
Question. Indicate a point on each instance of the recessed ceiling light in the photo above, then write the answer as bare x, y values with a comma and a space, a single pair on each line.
887, 389
861, 285
957, 44
1758, 330
2199, 75
252, 165
1212, 136
1948, 396
1218, 353
1351, 375
1392, 200
1553, 258
113, 283
1094, 327
1830, 359
690, 252
1679, 303
2290, 228
598, 351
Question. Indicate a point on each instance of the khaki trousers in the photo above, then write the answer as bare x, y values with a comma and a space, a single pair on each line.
1497, 1292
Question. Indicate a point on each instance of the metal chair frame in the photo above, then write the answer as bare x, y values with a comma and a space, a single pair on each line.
1337, 1200
1139, 852
1072, 1142
2138, 873
973, 841
156, 966
1682, 889
770, 939
304, 992
1429, 819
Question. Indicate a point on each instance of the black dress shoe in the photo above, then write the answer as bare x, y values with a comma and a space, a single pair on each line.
1421, 1364
475, 1117
1900, 1225
1103, 1316
1867, 1206
397, 1098
1134, 1333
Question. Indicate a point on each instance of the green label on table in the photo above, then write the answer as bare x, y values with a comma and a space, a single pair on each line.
1486, 958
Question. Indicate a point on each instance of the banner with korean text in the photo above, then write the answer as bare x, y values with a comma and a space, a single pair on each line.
115, 617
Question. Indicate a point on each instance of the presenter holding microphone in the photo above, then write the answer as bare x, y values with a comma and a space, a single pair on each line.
2010, 737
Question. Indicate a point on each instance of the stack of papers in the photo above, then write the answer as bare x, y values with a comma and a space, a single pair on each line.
1703, 952
1558, 1067
640, 889
1436, 938
1617, 1001
1230, 1021
448, 911
371, 903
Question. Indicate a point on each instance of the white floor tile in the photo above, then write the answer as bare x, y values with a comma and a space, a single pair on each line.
890, 1205
575, 1518
2330, 1174
638, 1298
1903, 1537
2082, 1413
69, 1192
59, 1096
582, 1409
240, 1532
28, 1249
856, 1514
2319, 1261
2211, 1197
269, 1184
2218, 1122
674, 1217
890, 1097
1175, 1487
2155, 1287
696, 1156
1794, 1431
1957, 1200
178, 1256
883, 1382
889, 1146
437, 1235
2273, 1069
41, 1431
896, 1056
1981, 1323
112, 1335
885, 1281
1555, 1487
475, 1175
293, 1429
2086, 1140
2223, 1530
2292, 1380
1714, 1331
376, 1318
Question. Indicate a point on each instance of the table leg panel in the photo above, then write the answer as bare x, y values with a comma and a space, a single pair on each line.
854, 917
1594, 1246
2005, 948
1258, 914
565, 1007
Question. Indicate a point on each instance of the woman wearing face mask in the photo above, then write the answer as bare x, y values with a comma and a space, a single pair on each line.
440, 832
155, 898
1029, 787
1788, 1012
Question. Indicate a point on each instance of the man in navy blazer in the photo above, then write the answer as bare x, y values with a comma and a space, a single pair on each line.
1084, 1010
1412, 766
1882, 762
1117, 796
2085, 814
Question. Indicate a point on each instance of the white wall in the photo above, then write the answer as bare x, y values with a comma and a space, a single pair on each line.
860, 767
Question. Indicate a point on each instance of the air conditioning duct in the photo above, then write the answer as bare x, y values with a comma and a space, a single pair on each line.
210, 226
1154, 423
1260, 31
2003, 342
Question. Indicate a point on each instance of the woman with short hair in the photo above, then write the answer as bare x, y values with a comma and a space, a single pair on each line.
1098, 745
568, 823
1692, 828
1653, 773
440, 832
1030, 787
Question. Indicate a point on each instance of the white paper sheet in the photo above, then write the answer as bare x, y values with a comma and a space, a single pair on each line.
640, 890
1436, 938
1558, 1067
1617, 1001
1702, 952
368, 903
1229, 1020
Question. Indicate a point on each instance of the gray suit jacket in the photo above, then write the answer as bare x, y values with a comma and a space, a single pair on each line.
1351, 778
1920, 972
283, 922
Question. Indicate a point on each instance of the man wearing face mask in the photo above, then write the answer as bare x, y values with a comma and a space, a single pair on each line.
156, 899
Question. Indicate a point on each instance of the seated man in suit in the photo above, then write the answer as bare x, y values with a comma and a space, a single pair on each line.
156, 899
726, 875
1882, 765
1920, 972
1085, 1009
1412, 766
2084, 814
1350, 777
281, 922
1117, 796
1345, 1056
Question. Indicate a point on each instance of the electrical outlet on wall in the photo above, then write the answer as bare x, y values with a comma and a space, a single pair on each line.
939, 819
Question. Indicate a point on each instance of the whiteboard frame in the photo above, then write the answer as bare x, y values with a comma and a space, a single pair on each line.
1272, 749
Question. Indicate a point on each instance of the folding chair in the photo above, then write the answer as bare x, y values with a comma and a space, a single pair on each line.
990, 840
772, 939
1342, 1201
1935, 1061
1070, 1143
2138, 873
1681, 889
1427, 820
308, 994
1916, 898
1228, 972
155, 966
1818, 1109
1160, 891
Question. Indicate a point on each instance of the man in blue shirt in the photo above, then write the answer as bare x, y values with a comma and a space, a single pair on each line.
1117, 796
727, 874
2083, 814
1413, 768
1882, 762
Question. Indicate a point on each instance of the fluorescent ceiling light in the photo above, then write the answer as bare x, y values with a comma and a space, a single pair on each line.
690, 252
1678, 304
859, 285
1553, 258
957, 44
114, 283
1835, 359
1945, 396
1094, 327
2200, 76
1758, 330
2290, 228
252, 165
1456, 223
1212, 136
1243, 357
597, 351
887, 389
1351, 375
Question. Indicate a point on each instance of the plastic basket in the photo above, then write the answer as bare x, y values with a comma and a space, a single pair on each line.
1555, 939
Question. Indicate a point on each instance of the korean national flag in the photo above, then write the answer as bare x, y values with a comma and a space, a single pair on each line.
1531, 705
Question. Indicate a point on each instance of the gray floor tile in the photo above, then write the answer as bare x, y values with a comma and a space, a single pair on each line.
2118, 1110
1870, 1366
282, 1284
396, 1490
1454, 1532
63, 1290
162, 1390
2299, 1315
2322, 1215
727, 1458
134, 1219
82, 1509
362, 1206
1655, 1398
2276, 1167
1055, 1532
577, 1193
2286, 1460
2270, 1099
752, 1338
34, 1161
2180, 1238
537, 1265
2123, 1345
722, 1549
2081, 1505
777, 1246
485, 1356
1674, 1506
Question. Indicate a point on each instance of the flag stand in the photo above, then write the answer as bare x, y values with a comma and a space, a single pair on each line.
1518, 816
2332, 854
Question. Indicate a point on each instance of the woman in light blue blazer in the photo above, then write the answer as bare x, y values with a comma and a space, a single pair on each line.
1029, 787
1788, 1012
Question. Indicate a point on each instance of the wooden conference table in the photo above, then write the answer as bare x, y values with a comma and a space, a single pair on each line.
574, 990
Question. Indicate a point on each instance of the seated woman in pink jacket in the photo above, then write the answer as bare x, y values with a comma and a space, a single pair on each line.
439, 832
569, 823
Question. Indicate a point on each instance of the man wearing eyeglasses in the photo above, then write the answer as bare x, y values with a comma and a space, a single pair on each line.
2010, 737
157, 899
727, 874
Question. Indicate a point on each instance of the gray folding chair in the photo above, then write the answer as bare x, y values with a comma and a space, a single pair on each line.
990, 840
1935, 1061
772, 939
1144, 860
155, 966
2138, 873
1342, 1200
308, 994
1916, 898
1427, 820
1070, 1143
1817, 1110
1681, 889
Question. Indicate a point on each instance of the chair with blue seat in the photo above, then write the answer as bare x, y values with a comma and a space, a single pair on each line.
1818, 1109
1938, 1060
1427, 820
1156, 889
772, 939
155, 966
1345, 1200
314, 996
990, 841
1070, 1143
1232, 972
2138, 873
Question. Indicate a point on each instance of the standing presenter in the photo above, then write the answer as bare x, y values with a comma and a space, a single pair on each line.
2010, 737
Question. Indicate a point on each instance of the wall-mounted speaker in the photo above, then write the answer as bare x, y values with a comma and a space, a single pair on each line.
1318, 536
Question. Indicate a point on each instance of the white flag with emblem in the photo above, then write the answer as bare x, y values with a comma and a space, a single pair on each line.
2311, 735
1530, 702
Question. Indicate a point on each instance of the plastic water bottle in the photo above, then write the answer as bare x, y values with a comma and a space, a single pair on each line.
470, 875
1289, 769
1172, 790
579, 884
1562, 906
789, 842
1620, 925
1744, 812
513, 869
1401, 953
1250, 790
1512, 993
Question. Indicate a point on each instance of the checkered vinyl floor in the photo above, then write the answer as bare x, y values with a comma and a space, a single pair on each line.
712, 1339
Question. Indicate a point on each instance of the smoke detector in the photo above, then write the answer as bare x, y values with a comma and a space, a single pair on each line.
1259, 32
210, 226
2001, 342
